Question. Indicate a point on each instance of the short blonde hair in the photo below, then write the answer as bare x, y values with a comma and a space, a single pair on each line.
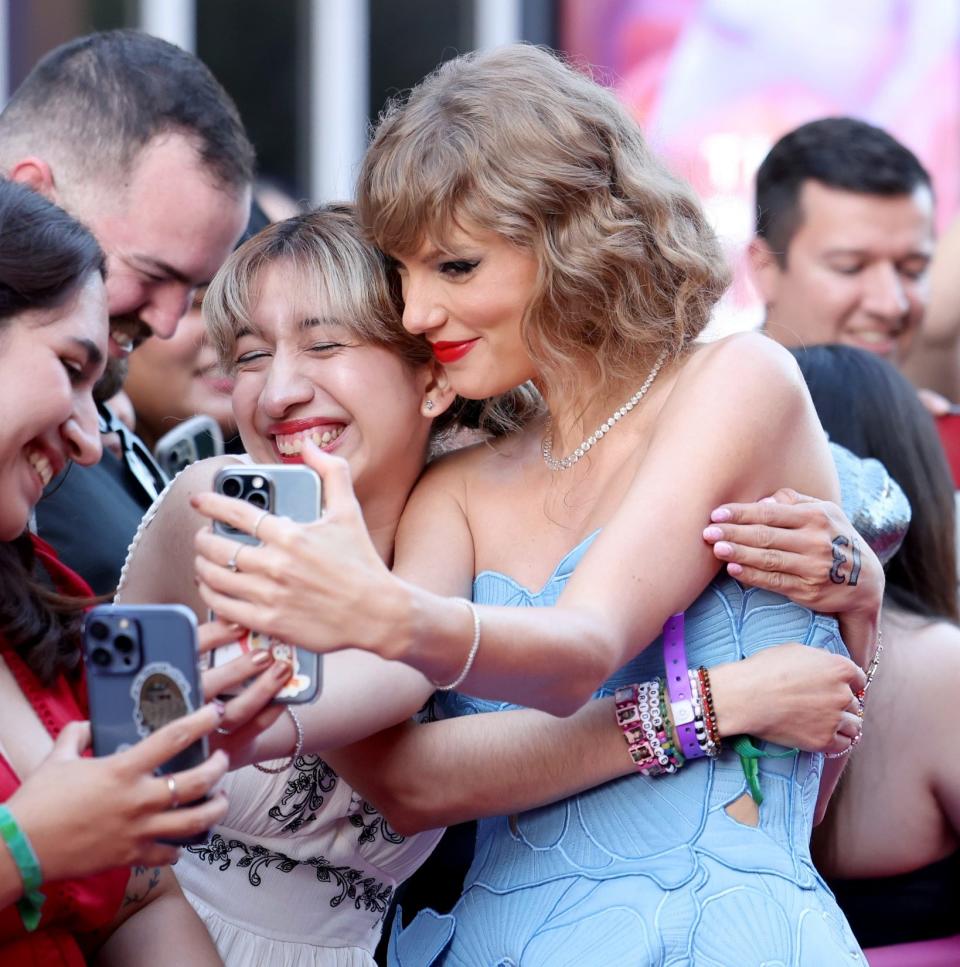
331, 265
519, 143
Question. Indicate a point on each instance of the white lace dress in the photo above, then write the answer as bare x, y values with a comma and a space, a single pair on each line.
302, 869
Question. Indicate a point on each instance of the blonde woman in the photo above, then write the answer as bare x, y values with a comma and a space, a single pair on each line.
536, 238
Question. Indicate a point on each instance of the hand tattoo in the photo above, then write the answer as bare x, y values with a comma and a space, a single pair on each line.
839, 559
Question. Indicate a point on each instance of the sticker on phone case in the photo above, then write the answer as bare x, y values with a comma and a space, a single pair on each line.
161, 693
258, 641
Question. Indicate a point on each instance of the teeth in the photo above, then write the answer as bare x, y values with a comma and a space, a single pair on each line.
290, 444
42, 465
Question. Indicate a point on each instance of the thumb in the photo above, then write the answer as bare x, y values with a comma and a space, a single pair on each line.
334, 472
72, 742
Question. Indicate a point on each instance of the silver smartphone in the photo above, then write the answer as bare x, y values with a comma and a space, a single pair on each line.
288, 490
194, 439
141, 663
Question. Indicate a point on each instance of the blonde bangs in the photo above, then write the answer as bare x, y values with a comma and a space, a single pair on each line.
519, 143
329, 271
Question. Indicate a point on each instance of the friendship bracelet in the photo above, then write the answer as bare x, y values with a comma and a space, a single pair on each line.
709, 748
709, 712
474, 648
297, 749
28, 866
639, 718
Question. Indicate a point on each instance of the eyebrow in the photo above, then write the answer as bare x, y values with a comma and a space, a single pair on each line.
319, 322
91, 350
164, 268
862, 252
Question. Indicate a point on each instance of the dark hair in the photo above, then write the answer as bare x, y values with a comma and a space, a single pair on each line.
104, 96
45, 256
837, 152
867, 406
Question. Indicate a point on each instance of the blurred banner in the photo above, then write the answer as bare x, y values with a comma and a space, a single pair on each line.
716, 82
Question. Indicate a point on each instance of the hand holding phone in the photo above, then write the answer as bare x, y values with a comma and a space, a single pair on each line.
142, 674
290, 491
86, 815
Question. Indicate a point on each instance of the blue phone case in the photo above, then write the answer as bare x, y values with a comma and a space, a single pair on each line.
140, 690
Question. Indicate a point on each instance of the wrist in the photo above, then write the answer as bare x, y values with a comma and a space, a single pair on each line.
733, 701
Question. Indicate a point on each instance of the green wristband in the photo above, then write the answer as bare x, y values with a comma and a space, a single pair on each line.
28, 866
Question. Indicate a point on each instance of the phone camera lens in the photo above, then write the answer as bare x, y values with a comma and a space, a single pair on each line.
123, 644
100, 656
258, 499
99, 630
232, 487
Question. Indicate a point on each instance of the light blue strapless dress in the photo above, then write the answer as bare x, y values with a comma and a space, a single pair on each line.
650, 871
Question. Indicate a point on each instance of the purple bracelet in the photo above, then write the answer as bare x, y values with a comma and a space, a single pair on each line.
678, 686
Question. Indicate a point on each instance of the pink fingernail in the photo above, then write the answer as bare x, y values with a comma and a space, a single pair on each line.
768, 500
722, 549
712, 533
261, 658
220, 707
720, 515
734, 570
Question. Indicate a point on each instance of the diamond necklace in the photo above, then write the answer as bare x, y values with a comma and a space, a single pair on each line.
546, 447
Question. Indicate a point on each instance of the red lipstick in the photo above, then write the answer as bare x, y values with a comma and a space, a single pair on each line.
450, 352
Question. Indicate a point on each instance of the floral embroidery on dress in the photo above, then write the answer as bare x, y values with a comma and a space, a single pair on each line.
376, 825
311, 778
366, 892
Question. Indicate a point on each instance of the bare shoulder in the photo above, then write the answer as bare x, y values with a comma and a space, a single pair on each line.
934, 657
745, 358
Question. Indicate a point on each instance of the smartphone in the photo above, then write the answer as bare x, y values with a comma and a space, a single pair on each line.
290, 491
142, 673
194, 439
948, 426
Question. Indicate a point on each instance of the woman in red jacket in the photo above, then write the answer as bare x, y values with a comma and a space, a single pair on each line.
82, 871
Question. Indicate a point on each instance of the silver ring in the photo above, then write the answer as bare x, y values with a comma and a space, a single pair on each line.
222, 731
263, 514
233, 563
172, 786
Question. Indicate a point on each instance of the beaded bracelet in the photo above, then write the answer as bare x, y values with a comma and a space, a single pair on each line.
709, 712
28, 866
861, 697
708, 747
640, 720
297, 749
471, 655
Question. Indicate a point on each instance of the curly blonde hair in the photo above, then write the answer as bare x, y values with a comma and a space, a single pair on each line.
519, 143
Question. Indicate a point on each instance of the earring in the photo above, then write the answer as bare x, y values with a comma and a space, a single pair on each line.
428, 405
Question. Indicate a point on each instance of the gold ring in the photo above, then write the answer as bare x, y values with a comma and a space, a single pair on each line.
172, 786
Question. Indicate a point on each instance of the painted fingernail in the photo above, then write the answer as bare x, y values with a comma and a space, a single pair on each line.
221, 709
282, 670
712, 533
720, 515
261, 658
722, 549
734, 570
768, 500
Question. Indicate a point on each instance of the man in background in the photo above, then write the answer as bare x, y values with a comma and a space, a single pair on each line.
137, 139
844, 238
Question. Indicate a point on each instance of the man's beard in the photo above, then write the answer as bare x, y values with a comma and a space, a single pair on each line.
111, 382
129, 330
